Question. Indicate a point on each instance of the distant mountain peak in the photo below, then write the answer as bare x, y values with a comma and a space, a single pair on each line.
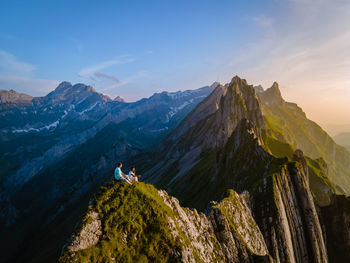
72, 94
63, 86
276, 89
119, 99
259, 89
213, 121
15, 98
272, 95
82, 86
215, 84
64, 83
66, 87
236, 80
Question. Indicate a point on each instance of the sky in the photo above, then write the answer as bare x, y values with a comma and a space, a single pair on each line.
135, 48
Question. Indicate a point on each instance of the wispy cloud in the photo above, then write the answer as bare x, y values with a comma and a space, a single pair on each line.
9, 64
307, 52
115, 82
88, 72
110, 89
30, 86
103, 75
107, 83
19, 75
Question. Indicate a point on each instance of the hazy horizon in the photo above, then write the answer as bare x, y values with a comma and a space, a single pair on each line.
133, 51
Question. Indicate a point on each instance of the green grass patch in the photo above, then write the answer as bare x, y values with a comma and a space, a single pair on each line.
134, 226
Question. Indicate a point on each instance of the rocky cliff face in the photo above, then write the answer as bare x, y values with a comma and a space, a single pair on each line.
11, 98
288, 123
278, 222
244, 156
220, 113
60, 148
206, 129
252, 197
288, 217
226, 233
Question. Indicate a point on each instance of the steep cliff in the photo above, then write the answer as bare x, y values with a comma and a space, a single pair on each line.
11, 99
276, 222
252, 196
224, 144
57, 151
286, 122
218, 129
140, 224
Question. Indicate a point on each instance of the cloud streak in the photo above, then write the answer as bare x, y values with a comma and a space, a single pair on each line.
307, 51
19, 75
109, 77
9, 64
106, 82
115, 81
89, 71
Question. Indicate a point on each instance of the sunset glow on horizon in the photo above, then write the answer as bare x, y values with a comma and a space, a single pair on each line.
133, 51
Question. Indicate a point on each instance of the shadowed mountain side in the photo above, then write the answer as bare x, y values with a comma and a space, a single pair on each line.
288, 123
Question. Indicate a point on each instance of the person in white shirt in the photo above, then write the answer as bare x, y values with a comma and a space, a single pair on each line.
132, 175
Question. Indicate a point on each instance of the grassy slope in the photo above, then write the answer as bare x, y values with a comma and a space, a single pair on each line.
40, 194
135, 227
320, 185
139, 211
291, 126
221, 169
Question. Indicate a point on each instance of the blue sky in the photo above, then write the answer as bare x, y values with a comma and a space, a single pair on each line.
136, 48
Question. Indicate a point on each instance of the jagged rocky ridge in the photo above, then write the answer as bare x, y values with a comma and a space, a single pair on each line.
12, 98
57, 150
283, 208
286, 122
224, 143
279, 223
163, 231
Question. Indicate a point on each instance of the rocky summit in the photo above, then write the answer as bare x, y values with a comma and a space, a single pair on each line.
231, 173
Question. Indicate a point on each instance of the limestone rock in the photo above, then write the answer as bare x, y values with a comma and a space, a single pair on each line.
89, 235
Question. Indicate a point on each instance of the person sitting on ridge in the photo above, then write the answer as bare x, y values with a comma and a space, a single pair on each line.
132, 175
119, 175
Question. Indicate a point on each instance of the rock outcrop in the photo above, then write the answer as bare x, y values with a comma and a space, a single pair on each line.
206, 129
288, 217
63, 146
288, 123
232, 160
276, 222
215, 118
226, 233
11, 98
89, 235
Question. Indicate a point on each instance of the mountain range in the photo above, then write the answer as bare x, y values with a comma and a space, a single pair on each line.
58, 148
262, 182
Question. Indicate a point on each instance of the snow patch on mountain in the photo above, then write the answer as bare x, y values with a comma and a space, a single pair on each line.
47, 127
161, 130
182, 94
90, 108
174, 110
